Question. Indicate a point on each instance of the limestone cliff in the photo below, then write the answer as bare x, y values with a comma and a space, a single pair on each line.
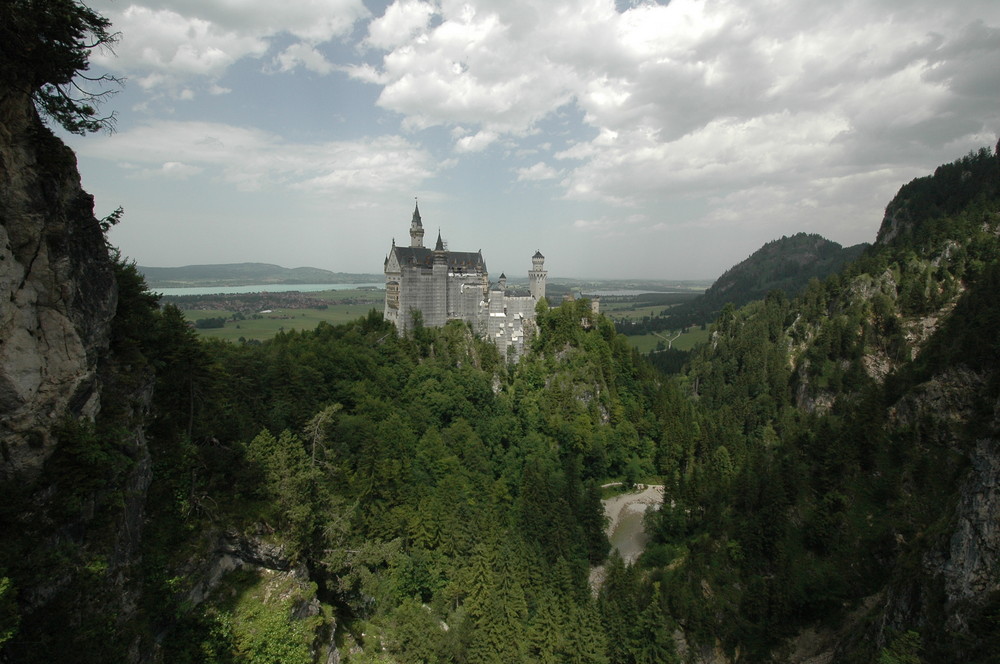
57, 290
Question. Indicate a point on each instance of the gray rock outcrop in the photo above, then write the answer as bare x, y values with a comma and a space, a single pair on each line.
57, 290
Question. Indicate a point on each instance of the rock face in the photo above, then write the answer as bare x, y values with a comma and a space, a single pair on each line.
973, 557
57, 290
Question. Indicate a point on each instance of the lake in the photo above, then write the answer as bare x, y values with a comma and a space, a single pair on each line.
262, 288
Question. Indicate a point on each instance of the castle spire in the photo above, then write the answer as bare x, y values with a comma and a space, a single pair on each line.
440, 244
416, 228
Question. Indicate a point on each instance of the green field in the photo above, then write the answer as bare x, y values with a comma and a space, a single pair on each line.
630, 311
266, 325
276, 321
644, 343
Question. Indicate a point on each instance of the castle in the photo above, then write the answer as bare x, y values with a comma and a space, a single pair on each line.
436, 286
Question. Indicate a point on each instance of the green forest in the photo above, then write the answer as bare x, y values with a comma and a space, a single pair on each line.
347, 494
414, 499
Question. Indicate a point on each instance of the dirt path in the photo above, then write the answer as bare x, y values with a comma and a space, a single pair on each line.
618, 510
648, 494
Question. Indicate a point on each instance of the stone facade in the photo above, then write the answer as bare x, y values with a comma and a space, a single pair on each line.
434, 286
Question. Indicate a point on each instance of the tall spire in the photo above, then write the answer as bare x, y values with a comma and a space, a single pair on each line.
440, 244
416, 228
416, 214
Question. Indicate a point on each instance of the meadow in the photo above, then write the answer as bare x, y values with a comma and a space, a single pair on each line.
645, 343
345, 306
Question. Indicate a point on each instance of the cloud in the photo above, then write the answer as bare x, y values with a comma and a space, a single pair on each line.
400, 23
539, 171
301, 54
606, 227
476, 142
173, 170
169, 42
697, 95
251, 160
472, 67
163, 42
724, 114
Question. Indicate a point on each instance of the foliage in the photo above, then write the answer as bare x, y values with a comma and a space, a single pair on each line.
9, 615
794, 481
441, 506
46, 47
786, 265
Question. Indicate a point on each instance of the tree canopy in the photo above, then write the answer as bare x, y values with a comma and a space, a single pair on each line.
45, 49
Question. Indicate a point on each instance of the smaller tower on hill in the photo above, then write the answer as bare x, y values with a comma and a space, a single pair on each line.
536, 276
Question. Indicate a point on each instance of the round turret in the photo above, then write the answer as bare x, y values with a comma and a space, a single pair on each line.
536, 276
537, 261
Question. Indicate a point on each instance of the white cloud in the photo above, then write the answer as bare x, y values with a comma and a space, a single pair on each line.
471, 67
167, 42
696, 95
251, 159
775, 114
539, 171
301, 54
400, 23
173, 170
610, 226
476, 142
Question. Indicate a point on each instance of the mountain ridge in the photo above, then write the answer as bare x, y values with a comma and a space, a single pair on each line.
246, 274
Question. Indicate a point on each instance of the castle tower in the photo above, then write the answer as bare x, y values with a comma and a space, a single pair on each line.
536, 276
416, 228
503, 281
436, 313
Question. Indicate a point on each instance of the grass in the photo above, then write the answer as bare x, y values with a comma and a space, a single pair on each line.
286, 319
276, 321
645, 343
625, 310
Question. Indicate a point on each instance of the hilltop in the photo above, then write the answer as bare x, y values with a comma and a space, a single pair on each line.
786, 264
246, 274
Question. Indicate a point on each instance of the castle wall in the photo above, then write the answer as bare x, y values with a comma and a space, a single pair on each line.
465, 296
422, 290
509, 322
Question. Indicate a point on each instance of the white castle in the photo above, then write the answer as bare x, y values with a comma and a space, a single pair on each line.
436, 286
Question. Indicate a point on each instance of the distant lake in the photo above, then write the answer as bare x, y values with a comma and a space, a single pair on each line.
262, 288
611, 293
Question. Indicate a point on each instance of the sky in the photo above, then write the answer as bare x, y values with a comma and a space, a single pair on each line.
621, 138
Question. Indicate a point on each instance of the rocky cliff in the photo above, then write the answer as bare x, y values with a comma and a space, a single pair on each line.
74, 496
57, 290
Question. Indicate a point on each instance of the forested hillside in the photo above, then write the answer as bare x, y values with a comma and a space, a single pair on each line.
786, 264
830, 464
836, 468
426, 500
